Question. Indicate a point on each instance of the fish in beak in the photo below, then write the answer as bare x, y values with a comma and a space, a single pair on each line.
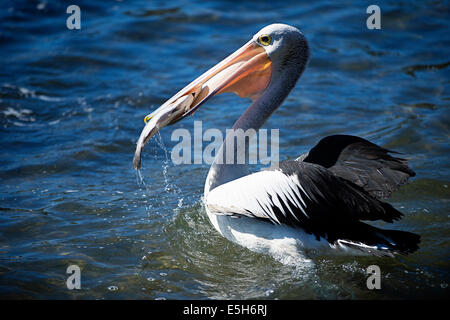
246, 72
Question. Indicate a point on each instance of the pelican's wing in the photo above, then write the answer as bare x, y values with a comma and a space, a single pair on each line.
361, 162
299, 194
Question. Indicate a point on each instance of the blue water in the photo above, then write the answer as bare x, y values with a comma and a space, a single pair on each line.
72, 104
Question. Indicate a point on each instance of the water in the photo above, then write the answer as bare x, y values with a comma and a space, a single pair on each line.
72, 105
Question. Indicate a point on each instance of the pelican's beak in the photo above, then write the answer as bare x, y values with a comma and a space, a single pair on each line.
247, 72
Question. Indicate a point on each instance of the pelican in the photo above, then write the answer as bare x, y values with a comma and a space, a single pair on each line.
309, 206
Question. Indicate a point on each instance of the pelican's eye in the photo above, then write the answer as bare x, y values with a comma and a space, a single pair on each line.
265, 39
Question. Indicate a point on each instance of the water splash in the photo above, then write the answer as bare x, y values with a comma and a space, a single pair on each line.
169, 187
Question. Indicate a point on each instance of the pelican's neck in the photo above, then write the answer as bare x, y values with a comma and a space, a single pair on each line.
254, 117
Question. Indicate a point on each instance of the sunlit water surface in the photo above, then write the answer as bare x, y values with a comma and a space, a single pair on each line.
72, 105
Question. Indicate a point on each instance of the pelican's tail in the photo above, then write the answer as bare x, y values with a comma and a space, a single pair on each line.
379, 242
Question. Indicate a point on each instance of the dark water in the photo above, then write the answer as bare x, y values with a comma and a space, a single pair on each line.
72, 105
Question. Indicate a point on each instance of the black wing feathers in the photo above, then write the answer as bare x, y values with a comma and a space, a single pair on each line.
334, 208
331, 198
361, 162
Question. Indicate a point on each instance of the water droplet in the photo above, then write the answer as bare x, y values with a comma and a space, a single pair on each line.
268, 292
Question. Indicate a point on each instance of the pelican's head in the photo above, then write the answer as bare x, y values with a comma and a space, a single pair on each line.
248, 72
